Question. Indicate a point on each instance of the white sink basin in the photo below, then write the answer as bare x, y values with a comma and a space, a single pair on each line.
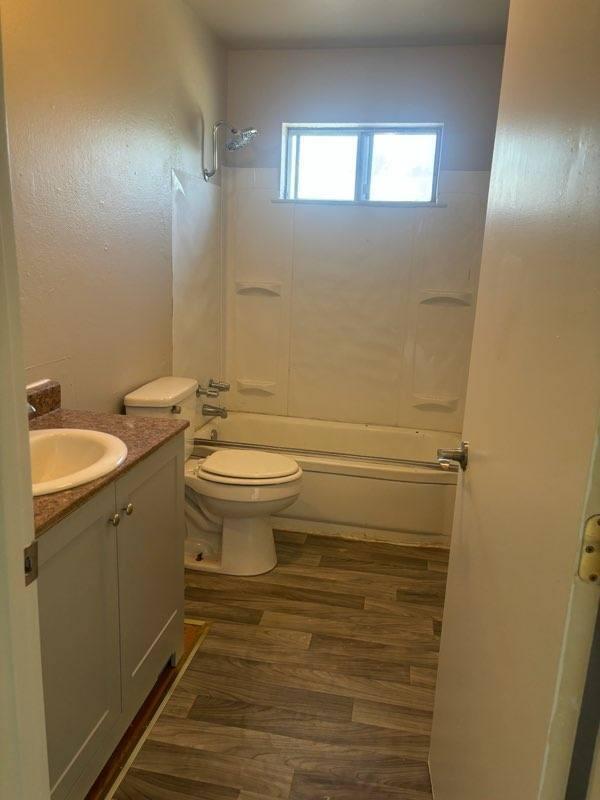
62, 458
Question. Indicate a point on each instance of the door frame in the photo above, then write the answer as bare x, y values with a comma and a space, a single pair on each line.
23, 756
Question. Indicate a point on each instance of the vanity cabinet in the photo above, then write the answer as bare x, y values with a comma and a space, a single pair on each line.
151, 579
79, 626
110, 589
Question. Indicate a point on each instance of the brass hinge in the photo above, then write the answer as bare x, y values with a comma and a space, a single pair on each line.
30, 562
589, 561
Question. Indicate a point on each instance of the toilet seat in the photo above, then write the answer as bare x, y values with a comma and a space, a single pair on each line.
254, 493
248, 468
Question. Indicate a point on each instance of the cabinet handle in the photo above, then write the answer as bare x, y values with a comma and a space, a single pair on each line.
114, 520
128, 509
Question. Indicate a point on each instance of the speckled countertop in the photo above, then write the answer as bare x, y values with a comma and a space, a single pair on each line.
142, 435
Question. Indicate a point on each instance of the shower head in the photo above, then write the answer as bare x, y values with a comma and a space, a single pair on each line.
240, 139
236, 141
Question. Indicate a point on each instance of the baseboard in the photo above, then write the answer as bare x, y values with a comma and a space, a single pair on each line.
361, 534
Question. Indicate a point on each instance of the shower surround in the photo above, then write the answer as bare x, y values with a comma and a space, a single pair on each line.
351, 313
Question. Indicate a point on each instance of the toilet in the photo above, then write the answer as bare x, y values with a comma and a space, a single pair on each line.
230, 495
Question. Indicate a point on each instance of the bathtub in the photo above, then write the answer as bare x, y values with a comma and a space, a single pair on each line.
360, 481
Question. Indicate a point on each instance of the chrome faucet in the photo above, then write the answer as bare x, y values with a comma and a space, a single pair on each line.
31, 410
214, 411
213, 389
206, 391
220, 386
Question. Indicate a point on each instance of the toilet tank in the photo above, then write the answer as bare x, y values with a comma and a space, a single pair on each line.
167, 397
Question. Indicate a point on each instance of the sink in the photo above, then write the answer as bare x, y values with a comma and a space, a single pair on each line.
62, 458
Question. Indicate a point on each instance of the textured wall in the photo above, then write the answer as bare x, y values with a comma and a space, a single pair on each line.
104, 99
456, 85
350, 313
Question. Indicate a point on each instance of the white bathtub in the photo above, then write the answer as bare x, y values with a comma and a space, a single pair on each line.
360, 481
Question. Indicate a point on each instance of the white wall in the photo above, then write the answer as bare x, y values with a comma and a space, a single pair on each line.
104, 99
367, 313
458, 86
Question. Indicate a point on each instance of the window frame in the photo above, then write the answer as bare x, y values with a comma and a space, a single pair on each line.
290, 151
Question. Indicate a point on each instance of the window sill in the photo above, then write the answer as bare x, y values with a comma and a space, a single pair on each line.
367, 203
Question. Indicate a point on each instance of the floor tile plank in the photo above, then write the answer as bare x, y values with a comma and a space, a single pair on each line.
369, 667
298, 725
141, 785
367, 626
422, 676
319, 704
386, 715
296, 753
271, 597
228, 772
310, 787
264, 674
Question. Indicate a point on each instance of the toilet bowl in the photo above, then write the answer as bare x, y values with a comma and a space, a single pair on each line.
241, 489
230, 496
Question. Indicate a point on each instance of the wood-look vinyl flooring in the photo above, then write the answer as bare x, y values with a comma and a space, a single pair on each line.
315, 681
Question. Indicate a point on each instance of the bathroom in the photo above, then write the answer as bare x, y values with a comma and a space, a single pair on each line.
299, 293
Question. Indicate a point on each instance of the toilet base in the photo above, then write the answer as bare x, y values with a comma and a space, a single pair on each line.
247, 548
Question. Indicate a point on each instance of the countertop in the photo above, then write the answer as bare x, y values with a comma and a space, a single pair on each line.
142, 435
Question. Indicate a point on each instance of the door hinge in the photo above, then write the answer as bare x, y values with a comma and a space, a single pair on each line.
589, 561
30, 562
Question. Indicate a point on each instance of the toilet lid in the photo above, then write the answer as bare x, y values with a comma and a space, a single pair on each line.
253, 464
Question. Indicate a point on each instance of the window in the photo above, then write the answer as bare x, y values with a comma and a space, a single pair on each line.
357, 163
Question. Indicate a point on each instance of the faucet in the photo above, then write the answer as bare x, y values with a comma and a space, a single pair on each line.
220, 386
31, 410
214, 411
213, 389
204, 391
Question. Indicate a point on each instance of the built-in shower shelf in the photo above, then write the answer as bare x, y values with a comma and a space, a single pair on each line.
260, 287
256, 386
447, 298
429, 403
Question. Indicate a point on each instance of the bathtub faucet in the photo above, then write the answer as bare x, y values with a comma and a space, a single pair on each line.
214, 411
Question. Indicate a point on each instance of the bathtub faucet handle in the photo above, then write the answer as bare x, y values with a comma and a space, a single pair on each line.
460, 456
220, 386
203, 391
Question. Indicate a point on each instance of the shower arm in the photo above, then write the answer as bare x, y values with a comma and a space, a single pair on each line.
208, 173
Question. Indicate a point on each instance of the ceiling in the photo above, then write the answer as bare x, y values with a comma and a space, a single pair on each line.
362, 23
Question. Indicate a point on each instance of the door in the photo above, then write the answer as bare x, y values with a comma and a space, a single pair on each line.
151, 581
518, 622
23, 762
79, 630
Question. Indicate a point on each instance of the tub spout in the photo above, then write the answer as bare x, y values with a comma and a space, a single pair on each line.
214, 411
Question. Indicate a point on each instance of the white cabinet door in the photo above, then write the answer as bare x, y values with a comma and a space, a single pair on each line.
150, 548
79, 630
